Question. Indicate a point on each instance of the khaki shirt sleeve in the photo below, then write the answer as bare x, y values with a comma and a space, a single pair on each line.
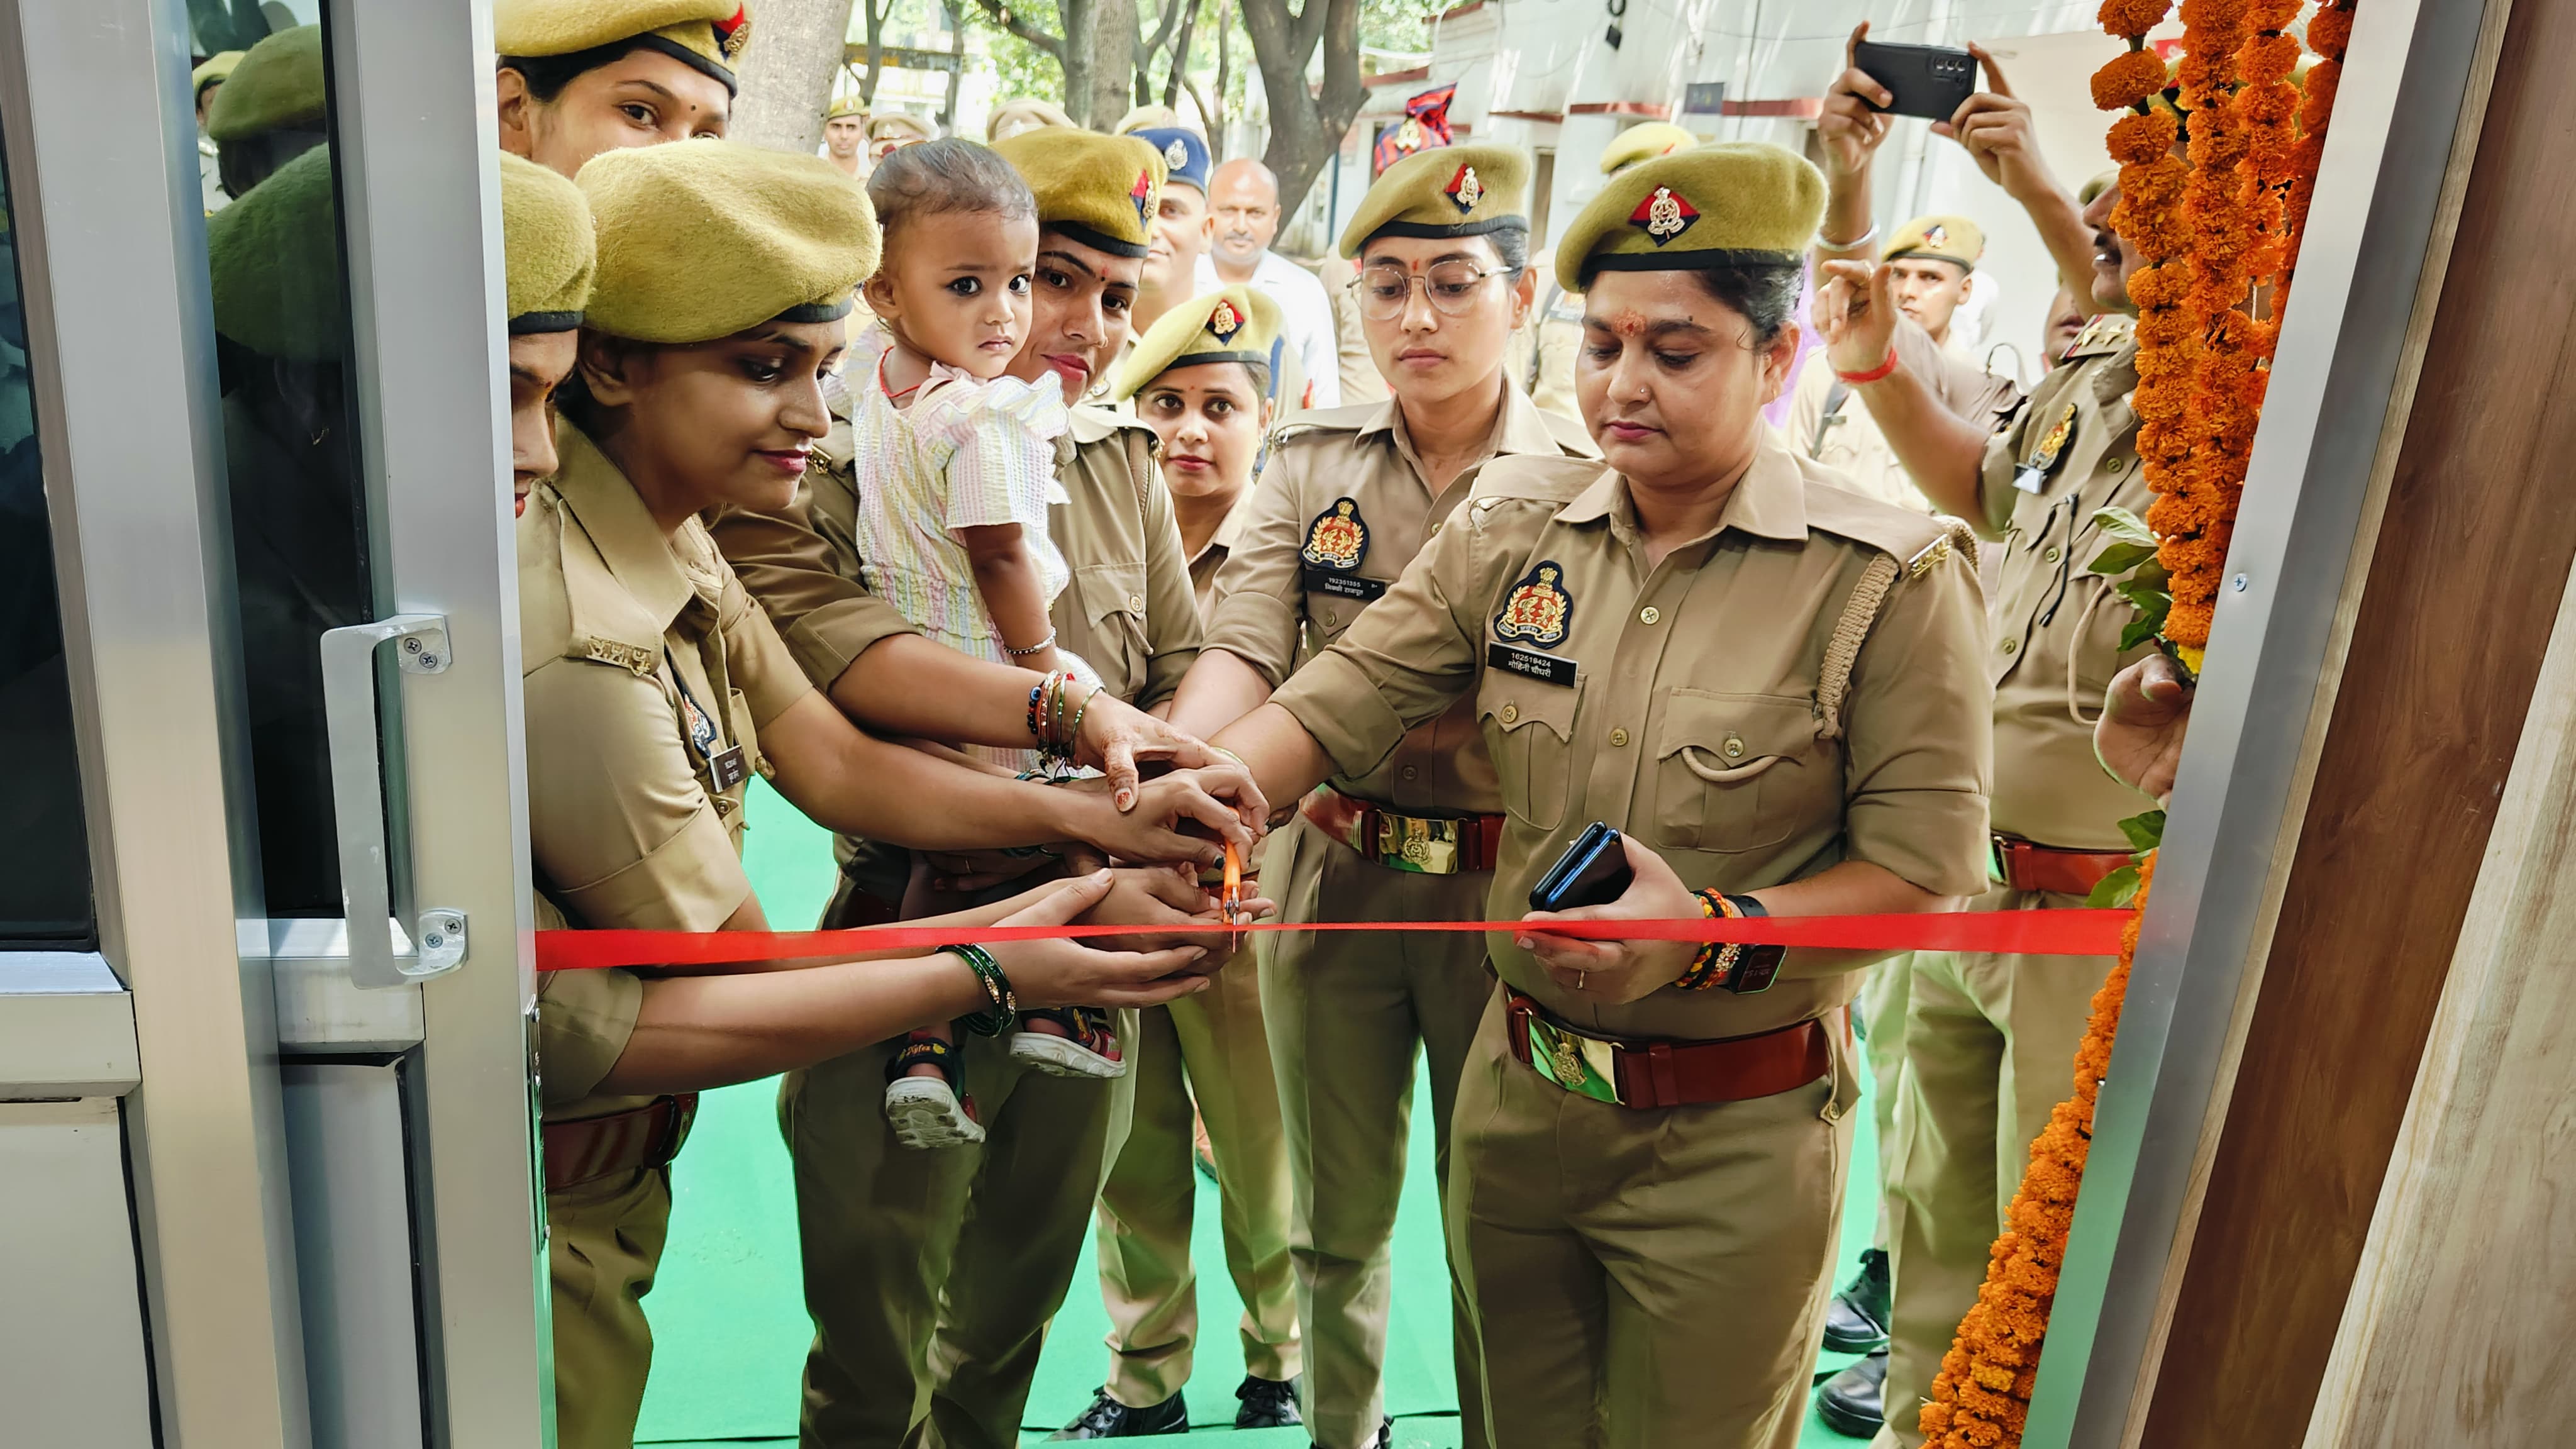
1260, 599
1918, 759
584, 1020
1807, 405
824, 617
1406, 658
621, 832
757, 660
1172, 628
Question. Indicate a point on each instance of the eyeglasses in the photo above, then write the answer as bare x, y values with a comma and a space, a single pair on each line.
1450, 288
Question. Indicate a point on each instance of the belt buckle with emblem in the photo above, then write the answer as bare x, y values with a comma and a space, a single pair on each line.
1426, 847
1578, 1064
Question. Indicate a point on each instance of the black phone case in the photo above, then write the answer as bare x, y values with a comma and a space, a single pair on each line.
1592, 872
1930, 81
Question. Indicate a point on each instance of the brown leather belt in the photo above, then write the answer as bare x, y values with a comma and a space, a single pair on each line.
621, 1142
2027, 866
1424, 844
1646, 1072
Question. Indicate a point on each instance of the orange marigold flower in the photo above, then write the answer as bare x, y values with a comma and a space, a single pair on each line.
2128, 79
2330, 31
2133, 17
2136, 140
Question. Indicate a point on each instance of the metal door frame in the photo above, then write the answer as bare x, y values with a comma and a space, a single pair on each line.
100, 142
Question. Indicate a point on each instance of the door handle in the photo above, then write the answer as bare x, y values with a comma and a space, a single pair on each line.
358, 802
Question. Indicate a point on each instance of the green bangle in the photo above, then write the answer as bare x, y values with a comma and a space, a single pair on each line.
1073, 732
1005, 1008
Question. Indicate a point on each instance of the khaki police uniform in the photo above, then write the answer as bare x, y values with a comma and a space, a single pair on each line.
1346, 1013
939, 1270
1658, 1276
1990, 1037
645, 663
900, 1277
1829, 422
1209, 1048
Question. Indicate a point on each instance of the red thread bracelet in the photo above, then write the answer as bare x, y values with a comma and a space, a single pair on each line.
1857, 379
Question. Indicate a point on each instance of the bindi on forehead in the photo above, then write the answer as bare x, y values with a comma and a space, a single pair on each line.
1628, 322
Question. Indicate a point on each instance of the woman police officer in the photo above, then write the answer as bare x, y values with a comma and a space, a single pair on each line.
655, 688
1348, 498
1771, 686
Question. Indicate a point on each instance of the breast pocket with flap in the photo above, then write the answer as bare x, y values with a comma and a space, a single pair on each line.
1529, 726
1111, 598
1738, 772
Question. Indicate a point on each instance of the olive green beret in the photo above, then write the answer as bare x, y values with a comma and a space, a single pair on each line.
708, 35
848, 105
218, 67
1237, 324
273, 262
1733, 203
1445, 192
1100, 190
2093, 189
1025, 113
702, 239
545, 228
277, 86
1953, 239
1644, 142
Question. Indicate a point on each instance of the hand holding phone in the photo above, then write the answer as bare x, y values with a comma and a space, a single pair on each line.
1594, 871
1930, 81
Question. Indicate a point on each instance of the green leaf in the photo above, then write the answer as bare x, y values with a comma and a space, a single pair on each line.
2119, 558
2116, 890
2154, 575
2145, 832
2121, 524
2140, 630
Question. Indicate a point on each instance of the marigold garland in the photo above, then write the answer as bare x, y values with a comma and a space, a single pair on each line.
2218, 238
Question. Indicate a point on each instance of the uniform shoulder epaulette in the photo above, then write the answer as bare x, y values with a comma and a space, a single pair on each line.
583, 612
1317, 421
1533, 478
837, 447
545, 614
1570, 434
1088, 423
1916, 541
2105, 334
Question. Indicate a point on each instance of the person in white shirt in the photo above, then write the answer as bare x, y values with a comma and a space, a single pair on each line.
1245, 198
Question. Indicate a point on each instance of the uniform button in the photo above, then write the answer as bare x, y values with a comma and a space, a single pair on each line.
1435, 530
2114, 465
1136, 602
1734, 747
2012, 646
2051, 555
1511, 712
1332, 618
1618, 739
1649, 614
1410, 772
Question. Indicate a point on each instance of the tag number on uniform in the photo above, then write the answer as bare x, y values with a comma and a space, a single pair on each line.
1530, 664
728, 767
1343, 586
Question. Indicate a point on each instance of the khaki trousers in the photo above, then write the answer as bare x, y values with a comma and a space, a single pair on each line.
1990, 1044
1646, 1279
1210, 1046
1883, 994
1346, 1014
603, 1241
930, 1276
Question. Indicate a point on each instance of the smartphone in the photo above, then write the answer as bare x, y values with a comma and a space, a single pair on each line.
1930, 81
1592, 872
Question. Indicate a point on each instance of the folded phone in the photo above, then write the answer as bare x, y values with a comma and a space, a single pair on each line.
1592, 872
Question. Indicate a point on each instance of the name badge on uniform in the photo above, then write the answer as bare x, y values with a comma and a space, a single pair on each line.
2033, 475
1538, 613
727, 766
1343, 586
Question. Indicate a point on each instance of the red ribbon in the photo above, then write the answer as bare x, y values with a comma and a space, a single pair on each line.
2020, 933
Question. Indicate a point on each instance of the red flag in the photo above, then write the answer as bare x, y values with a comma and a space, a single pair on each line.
1425, 125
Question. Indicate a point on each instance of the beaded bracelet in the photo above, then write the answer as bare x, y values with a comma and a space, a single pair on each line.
1005, 1008
1040, 647
1716, 959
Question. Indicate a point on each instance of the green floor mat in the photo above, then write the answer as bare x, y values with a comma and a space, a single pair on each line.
729, 1324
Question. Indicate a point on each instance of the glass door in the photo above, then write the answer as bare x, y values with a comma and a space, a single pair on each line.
277, 461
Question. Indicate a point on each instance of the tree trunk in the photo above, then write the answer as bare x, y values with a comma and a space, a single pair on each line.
876, 51
1102, 33
1305, 127
786, 73
1181, 57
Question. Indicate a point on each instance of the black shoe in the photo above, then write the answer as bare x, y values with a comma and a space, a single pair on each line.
1385, 1435
1267, 1404
1856, 1321
1852, 1402
1109, 1419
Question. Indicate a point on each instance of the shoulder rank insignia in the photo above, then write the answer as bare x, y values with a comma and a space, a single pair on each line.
1176, 155
1538, 610
2033, 475
1142, 194
1664, 215
1337, 540
1464, 190
1955, 538
1224, 322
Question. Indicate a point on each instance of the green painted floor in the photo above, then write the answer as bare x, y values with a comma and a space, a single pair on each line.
728, 1316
